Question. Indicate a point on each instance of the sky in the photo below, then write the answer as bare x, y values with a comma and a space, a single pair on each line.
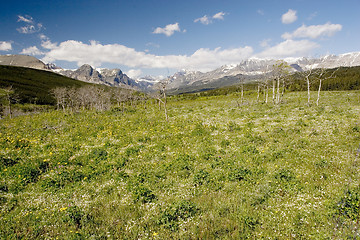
161, 37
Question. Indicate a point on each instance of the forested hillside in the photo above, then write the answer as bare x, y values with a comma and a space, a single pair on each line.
33, 86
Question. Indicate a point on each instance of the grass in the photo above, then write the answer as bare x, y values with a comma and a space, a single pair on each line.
213, 171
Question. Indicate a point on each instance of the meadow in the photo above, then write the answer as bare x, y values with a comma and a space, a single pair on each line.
214, 170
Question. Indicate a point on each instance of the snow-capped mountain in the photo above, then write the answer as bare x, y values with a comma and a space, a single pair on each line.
109, 77
253, 67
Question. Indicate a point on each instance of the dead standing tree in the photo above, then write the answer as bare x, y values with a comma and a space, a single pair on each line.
280, 73
307, 75
161, 96
10, 98
60, 94
321, 76
242, 83
263, 82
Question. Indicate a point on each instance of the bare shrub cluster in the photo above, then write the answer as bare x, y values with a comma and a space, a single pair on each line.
91, 98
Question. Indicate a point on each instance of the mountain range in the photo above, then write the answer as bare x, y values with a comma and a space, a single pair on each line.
252, 69
186, 81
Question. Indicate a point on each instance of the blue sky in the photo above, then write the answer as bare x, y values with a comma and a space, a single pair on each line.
161, 37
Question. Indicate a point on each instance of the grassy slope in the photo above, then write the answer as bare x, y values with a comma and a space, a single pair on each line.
214, 171
34, 85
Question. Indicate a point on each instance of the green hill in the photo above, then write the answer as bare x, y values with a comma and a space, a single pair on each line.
32, 85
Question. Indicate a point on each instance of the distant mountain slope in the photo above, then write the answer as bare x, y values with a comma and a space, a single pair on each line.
34, 85
22, 61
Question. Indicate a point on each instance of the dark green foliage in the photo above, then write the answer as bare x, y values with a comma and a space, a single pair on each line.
142, 194
7, 161
176, 212
32, 85
232, 126
349, 205
182, 165
133, 151
284, 175
239, 174
73, 216
98, 155
201, 177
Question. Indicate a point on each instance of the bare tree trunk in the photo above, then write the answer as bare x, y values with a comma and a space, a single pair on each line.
308, 90
318, 95
258, 93
278, 92
165, 109
273, 90
10, 109
283, 89
266, 93
242, 94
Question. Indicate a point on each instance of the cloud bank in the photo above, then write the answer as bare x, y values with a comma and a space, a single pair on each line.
96, 54
289, 48
314, 31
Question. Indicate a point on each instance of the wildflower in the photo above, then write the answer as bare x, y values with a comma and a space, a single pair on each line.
155, 234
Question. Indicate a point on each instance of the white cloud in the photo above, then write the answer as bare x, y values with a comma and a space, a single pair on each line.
219, 15
313, 15
265, 43
261, 12
31, 26
204, 20
289, 17
27, 19
168, 30
96, 54
46, 42
289, 48
134, 73
314, 31
5, 46
151, 44
207, 20
31, 51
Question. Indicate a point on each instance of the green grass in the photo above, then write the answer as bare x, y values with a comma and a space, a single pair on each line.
213, 171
